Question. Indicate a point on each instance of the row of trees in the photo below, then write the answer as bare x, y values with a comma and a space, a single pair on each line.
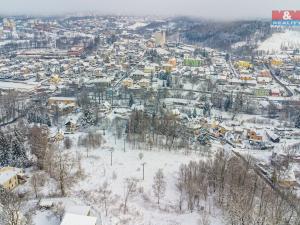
39, 114
237, 190
236, 103
165, 131
51, 158
11, 106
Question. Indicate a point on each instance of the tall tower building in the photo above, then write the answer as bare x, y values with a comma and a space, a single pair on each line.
160, 38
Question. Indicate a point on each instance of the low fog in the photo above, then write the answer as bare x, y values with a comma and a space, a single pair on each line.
212, 9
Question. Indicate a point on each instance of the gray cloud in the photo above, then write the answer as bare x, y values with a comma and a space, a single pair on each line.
218, 9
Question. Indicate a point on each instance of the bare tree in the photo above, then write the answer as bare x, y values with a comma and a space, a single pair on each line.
59, 210
37, 180
180, 187
91, 141
129, 191
159, 185
63, 170
141, 155
10, 205
105, 195
49, 165
204, 220
67, 143
38, 140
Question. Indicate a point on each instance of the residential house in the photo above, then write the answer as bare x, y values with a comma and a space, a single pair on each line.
101, 82
74, 219
192, 62
243, 64
10, 177
144, 83
55, 79
58, 136
276, 62
63, 104
71, 126
79, 210
287, 179
261, 92
275, 92
172, 62
138, 75
76, 51
46, 204
167, 67
62, 100
254, 135
264, 77
149, 69
128, 82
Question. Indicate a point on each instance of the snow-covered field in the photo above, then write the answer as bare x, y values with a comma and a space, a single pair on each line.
20, 86
142, 207
137, 25
289, 39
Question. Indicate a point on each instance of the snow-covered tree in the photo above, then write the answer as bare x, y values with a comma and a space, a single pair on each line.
63, 170
227, 104
5, 153
10, 208
38, 141
18, 153
206, 109
105, 196
297, 122
194, 113
130, 190
159, 185
88, 118
131, 101
12, 149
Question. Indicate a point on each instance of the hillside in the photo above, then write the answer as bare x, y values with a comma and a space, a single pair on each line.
284, 40
223, 35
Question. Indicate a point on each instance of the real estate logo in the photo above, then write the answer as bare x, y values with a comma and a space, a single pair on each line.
286, 18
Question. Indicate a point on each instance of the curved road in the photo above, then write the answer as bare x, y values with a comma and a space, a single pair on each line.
290, 93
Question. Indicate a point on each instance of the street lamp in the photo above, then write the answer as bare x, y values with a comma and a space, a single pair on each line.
124, 136
143, 164
111, 155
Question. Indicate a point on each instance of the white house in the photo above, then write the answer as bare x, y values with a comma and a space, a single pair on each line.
74, 219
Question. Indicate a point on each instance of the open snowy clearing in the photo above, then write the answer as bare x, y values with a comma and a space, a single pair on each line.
20, 86
289, 39
142, 207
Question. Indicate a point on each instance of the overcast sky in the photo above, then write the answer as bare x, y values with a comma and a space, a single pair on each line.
218, 9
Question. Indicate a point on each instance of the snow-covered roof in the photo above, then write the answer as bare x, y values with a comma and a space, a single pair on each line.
288, 175
138, 72
73, 219
46, 203
162, 51
62, 98
6, 173
107, 105
79, 210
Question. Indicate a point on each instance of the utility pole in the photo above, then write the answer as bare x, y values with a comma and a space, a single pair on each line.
124, 143
143, 164
112, 97
111, 156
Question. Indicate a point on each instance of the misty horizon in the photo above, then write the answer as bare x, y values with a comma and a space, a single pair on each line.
213, 9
